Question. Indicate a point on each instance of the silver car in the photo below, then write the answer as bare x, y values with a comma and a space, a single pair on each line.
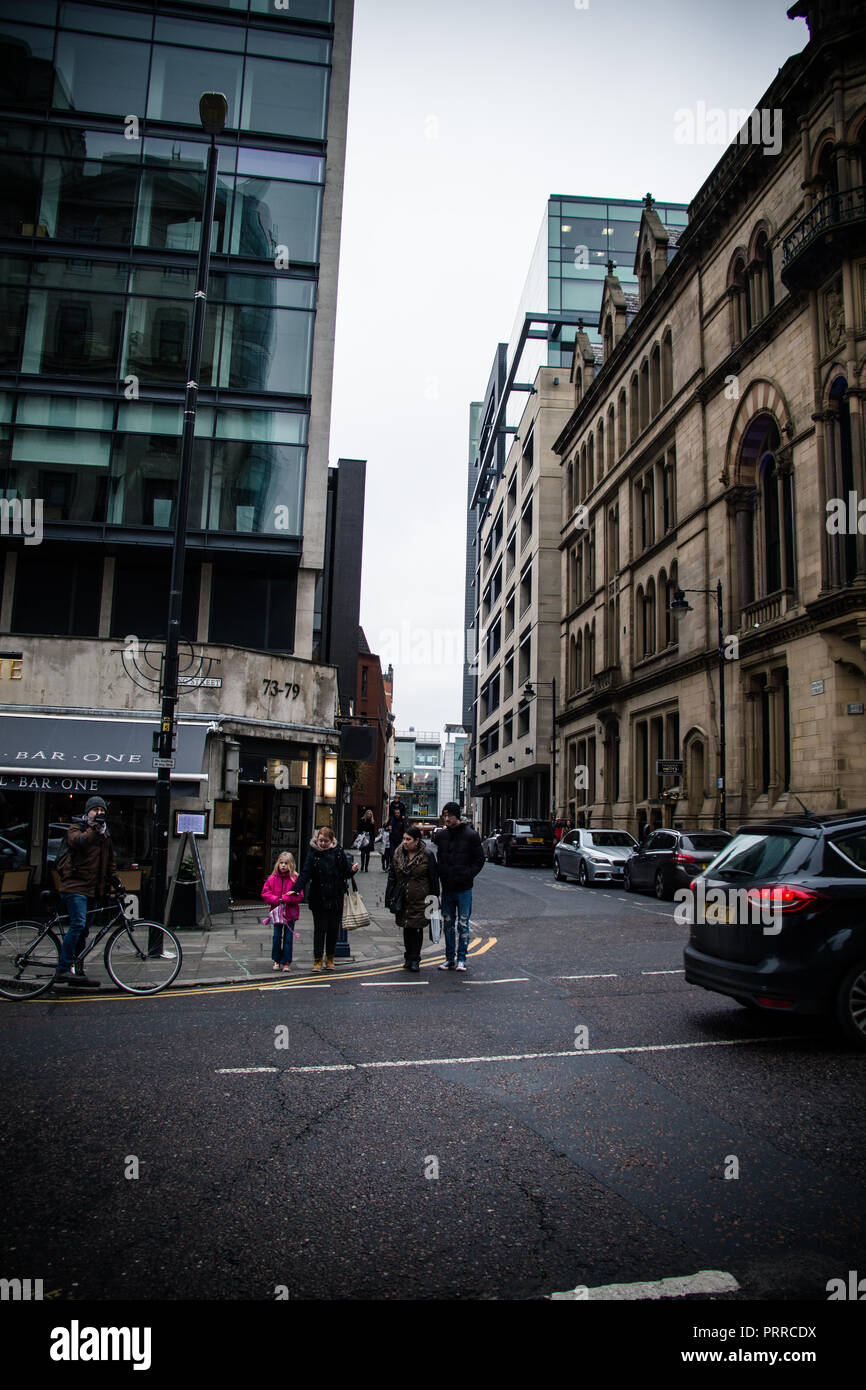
593, 856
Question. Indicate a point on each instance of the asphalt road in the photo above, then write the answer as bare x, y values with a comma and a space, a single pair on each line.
388, 1136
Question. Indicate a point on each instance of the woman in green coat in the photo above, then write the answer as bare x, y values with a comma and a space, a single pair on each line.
413, 880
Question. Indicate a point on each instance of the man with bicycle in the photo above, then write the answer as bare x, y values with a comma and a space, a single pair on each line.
86, 873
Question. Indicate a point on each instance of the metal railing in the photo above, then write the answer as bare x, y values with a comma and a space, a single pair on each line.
829, 212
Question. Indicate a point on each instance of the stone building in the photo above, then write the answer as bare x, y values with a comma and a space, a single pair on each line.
721, 439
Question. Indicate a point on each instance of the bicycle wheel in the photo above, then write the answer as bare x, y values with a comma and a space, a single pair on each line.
143, 957
29, 957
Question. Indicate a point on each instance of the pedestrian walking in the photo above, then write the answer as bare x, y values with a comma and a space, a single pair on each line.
278, 890
386, 848
86, 872
396, 824
460, 860
368, 831
413, 880
325, 878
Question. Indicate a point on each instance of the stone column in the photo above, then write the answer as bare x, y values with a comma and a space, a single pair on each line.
783, 470
832, 474
741, 502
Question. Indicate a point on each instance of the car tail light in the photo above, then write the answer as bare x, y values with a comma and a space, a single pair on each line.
680, 858
787, 897
769, 1003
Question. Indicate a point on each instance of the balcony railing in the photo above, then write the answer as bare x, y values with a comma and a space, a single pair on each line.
832, 211
606, 679
765, 610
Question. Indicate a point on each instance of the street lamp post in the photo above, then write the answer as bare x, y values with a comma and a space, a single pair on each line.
529, 694
678, 606
213, 109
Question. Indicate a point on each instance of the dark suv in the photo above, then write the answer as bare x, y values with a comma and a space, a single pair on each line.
525, 840
793, 938
669, 859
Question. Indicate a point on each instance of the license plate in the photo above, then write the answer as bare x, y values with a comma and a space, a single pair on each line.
534, 840
616, 871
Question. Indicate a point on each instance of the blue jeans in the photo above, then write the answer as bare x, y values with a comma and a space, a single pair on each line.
76, 933
284, 940
456, 907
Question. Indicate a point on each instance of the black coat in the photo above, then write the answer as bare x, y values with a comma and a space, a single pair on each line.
396, 829
461, 857
324, 878
417, 885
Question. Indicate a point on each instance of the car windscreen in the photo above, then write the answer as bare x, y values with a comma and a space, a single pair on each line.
762, 855
532, 827
706, 842
604, 839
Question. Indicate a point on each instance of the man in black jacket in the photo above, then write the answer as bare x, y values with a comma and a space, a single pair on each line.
461, 859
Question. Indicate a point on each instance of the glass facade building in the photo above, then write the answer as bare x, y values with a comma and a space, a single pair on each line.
102, 162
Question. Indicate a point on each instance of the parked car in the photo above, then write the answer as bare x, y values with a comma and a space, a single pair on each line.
593, 856
810, 872
490, 846
525, 841
12, 855
670, 859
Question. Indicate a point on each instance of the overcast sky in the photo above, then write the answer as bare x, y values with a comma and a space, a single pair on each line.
464, 116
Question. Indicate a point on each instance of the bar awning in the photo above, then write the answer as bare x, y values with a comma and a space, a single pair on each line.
50, 752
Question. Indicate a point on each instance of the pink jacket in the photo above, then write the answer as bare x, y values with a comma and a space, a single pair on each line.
277, 889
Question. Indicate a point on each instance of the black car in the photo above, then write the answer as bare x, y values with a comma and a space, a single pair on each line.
525, 841
780, 919
670, 859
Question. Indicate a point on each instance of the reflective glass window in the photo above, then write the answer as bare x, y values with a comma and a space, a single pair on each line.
36, 11
99, 74
100, 19
280, 164
187, 154
140, 600
89, 201
64, 412
223, 37
581, 294
624, 238
269, 214
257, 488
143, 488
20, 180
286, 100
143, 417
70, 142
300, 9
56, 594
178, 76
266, 350
282, 291
158, 336
66, 468
72, 332
269, 426
170, 206
26, 71
78, 274
297, 46
13, 320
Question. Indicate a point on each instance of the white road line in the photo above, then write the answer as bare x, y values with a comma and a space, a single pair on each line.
388, 984
244, 1071
706, 1281
266, 989
531, 1056
514, 980
663, 972
586, 977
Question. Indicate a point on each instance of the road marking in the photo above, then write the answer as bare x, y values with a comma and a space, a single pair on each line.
586, 977
514, 980
530, 1056
244, 1071
706, 1281
391, 984
266, 989
663, 972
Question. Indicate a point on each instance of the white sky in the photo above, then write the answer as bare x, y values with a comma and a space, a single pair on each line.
464, 116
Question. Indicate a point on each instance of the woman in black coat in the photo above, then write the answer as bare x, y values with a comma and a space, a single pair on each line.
324, 880
412, 881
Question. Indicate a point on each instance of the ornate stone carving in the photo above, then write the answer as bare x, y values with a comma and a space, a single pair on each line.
834, 317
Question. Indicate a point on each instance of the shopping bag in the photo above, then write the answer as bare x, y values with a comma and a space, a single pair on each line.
355, 913
435, 925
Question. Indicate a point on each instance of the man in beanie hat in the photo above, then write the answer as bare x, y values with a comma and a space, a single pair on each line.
85, 875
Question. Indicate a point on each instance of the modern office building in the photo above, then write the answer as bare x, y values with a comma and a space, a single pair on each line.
418, 760
580, 241
720, 442
102, 160
453, 783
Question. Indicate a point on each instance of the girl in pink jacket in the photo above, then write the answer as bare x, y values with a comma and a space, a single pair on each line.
284, 915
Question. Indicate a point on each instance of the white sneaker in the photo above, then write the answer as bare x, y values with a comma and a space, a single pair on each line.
461, 965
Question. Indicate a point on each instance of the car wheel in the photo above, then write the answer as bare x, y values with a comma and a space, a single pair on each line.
626, 881
851, 1005
582, 875
661, 887
557, 871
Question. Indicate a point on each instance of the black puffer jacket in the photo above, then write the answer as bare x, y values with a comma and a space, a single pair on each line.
326, 871
461, 857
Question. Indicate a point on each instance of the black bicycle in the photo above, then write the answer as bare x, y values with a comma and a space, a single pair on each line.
140, 957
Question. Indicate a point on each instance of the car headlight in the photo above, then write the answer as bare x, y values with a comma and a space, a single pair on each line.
598, 859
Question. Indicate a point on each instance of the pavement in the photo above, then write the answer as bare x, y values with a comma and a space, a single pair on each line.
230, 952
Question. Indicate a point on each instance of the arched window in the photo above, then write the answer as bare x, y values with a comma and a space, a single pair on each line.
825, 171
764, 294
572, 665
582, 485
621, 428
696, 788
600, 448
644, 394
589, 653
646, 277
741, 307
608, 337
650, 618
578, 662
633, 412
655, 380
611, 438
569, 492
590, 464
611, 761
664, 617
770, 509
578, 386
843, 546
640, 629
764, 539
667, 367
